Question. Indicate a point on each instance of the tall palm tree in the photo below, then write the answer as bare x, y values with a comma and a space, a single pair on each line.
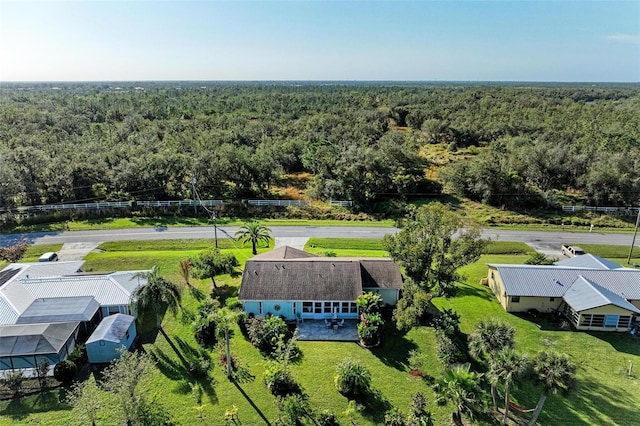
225, 318
253, 232
489, 338
506, 366
460, 387
555, 373
157, 295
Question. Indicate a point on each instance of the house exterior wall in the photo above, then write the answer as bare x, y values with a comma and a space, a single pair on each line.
103, 351
604, 310
389, 295
497, 286
292, 310
542, 304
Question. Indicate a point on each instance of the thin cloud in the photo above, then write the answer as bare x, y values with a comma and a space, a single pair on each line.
624, 38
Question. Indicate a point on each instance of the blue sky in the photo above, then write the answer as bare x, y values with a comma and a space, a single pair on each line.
305, 40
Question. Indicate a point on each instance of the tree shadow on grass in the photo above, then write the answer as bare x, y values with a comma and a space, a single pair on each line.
47, 401
621, 342
374, 404
250, 401
394, 348
468, 290
183, 370
598, 402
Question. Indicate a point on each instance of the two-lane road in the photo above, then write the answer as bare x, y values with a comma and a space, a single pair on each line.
547, 242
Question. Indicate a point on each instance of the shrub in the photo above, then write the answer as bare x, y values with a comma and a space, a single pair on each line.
200, 367
233, 303
14, 252
447, 321
369, 303
417, 362
204, 328
327, 418
266, 333
78, 355
65, 371
280, 381
369, 334
394, 417
294, 408
13, 380
447, 351
352, 378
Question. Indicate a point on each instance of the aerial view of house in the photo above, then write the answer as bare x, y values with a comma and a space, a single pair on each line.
294, 284
48, 308
592, 292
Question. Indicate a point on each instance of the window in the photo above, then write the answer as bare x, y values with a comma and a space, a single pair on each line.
345, 307
113, 310
353, 308
260, 308
611, 321
327, 307
307, 307
552, 299
126, 335
624, 322
295, 308
101, 342
597, 321
318, 307
515, 299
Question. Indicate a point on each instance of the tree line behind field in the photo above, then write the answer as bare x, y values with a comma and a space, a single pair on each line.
521, 146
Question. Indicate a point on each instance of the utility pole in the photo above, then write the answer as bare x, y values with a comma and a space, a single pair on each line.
635, 232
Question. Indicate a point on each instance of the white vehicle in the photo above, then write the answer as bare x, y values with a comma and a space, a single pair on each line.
48, 257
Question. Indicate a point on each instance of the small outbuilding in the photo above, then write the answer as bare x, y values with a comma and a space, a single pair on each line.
114, 332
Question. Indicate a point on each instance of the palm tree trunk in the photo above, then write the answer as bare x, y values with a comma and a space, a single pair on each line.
536, 412
228, 351
506, 404
213, 279
254, 246
457, 418
493, 397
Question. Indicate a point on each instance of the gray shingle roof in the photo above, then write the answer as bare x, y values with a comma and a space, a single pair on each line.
584, 294
589, 261
380, 273
309, 280
35, 339
553, 281
112, 328
283, 252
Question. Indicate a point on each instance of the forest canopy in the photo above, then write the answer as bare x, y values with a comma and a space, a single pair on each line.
362, 142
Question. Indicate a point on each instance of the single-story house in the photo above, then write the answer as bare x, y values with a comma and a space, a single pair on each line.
593, 293
113, 333
294, 284
42, 296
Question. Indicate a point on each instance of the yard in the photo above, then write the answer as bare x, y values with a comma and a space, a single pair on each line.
605, 396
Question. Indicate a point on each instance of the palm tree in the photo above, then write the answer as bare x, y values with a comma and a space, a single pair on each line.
490, 337
157, 295
459, 386
506, 366
225, 318
253, 232
555, 373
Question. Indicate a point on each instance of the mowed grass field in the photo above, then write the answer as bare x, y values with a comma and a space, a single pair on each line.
606, 395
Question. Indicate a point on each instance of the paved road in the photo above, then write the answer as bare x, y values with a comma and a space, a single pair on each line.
546, 242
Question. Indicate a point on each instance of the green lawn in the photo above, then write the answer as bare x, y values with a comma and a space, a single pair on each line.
605, 396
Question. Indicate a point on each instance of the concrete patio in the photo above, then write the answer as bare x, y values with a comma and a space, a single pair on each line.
318, 330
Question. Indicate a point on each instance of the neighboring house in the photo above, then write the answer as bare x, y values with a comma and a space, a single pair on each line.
114, 333
294, 284
593, 293
41, 296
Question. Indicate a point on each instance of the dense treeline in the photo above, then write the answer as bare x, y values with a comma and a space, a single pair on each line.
361, 142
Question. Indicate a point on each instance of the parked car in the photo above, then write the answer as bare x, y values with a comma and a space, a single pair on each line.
48, 257
572, 251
